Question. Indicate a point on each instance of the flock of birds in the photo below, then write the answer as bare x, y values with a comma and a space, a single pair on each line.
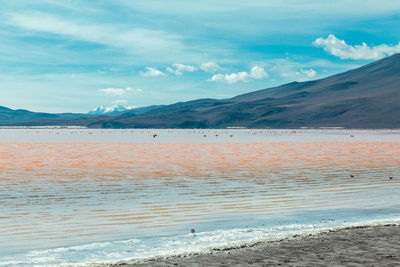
204, 133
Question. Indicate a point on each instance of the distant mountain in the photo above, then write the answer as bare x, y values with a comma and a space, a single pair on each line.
366, 97
143, 110
112, 109
20, 116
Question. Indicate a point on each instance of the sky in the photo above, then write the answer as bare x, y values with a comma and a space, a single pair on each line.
74, 56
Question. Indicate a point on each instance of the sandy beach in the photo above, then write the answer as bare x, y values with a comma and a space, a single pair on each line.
358, 246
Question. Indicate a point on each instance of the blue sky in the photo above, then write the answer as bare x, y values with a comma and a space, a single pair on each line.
67, 55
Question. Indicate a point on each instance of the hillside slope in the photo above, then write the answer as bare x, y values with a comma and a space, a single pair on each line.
366, 97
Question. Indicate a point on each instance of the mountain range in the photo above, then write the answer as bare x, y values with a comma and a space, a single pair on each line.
366, 97
109, 110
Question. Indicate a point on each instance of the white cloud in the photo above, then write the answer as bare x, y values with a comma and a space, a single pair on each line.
256, 73
178, 69
151, 72
231, 78
339, 48
136, 90
285, 70
113, 91
210, 67
137, 40
309, 73
120, 91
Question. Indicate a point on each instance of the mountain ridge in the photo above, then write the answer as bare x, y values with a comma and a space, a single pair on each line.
365, 97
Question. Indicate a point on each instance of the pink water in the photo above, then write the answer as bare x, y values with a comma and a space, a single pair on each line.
63, 193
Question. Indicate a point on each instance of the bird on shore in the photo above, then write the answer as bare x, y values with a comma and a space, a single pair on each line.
192, 231
351, 176
390, 177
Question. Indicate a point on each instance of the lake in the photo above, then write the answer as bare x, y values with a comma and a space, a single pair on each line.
80, 196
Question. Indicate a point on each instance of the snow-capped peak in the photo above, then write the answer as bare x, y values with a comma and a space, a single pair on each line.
110, 109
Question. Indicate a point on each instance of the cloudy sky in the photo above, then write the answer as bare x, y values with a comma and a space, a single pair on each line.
71, 55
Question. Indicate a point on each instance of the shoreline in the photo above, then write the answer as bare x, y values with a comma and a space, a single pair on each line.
355, 246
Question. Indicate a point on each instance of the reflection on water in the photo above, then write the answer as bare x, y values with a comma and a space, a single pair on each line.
71, 193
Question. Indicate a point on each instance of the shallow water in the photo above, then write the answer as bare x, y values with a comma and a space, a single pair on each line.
78, 196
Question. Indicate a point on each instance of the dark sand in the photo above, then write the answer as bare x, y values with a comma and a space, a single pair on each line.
358, 246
